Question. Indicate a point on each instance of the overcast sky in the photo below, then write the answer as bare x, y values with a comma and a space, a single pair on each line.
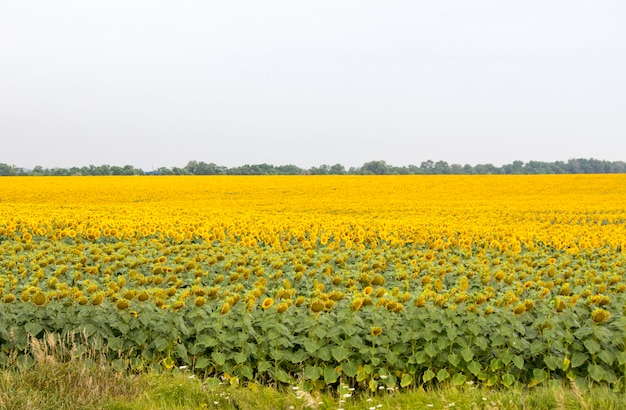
155, 83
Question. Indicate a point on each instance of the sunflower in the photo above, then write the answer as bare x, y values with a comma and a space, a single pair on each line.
317, 306
519, 309
600, 315
282, 307
97, 299
143, 296
122, 304
464, 283
378, 280
39, 299
356, 304
376, 331
168, 363
129, 294
225, 308
267, 303
200, 301
559, 304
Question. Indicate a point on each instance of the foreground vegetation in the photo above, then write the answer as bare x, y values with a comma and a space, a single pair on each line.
73, 385
366, 283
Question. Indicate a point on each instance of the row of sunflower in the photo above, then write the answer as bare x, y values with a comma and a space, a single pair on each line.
374, 281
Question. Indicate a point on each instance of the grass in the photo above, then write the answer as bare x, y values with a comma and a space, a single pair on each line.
66, 374
80, 386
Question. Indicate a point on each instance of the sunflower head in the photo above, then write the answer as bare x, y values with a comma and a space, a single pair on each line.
267, 303
143, 296
122, 304
600, 315
97, 298
519, 309
317, 306
168, 363
225, 308
282, 307
356, 304
378, 280
39, 299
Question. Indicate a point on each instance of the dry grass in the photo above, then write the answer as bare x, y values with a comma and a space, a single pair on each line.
66, 373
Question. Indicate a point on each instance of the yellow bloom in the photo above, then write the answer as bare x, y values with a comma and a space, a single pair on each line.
122, 304
282, 307
129, 294
519, 309
97, 299
600, 315
356, 304
317, 306
225, 308
267, 303
464, 283
378, 280
39, 299
376, 331
168, 363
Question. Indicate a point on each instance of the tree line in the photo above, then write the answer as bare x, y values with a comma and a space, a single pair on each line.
572, 166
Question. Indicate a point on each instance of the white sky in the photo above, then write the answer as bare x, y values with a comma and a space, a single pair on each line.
155, 83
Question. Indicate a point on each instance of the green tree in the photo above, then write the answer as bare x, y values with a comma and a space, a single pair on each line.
375, 168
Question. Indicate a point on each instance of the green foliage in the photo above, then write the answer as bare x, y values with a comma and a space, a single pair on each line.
572, 166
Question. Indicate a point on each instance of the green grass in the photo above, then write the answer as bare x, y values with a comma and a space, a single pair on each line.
75, 385
73, 375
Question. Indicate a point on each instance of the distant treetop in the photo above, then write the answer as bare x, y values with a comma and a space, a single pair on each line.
572, 166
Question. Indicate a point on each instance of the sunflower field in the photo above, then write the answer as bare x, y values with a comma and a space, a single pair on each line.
372, 281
